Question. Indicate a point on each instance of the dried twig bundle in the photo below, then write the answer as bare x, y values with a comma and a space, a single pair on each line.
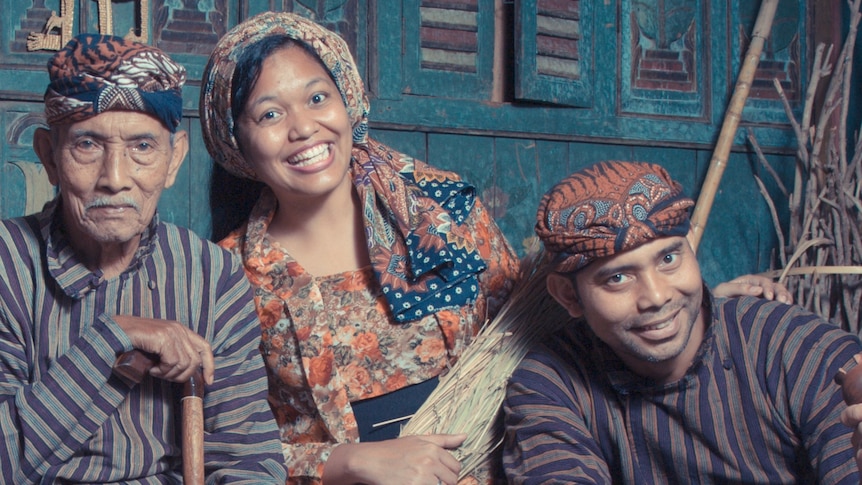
469, 396
824, 237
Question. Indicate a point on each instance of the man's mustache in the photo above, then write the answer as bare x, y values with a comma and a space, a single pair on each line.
112, 202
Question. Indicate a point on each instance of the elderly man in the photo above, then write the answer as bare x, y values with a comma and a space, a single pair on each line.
96, 274
655, 380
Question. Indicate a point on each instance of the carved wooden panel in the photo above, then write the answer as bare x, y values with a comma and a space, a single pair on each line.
189, 26
558, 32
24, 186
663, 45
665, 57
448, 48
782, 57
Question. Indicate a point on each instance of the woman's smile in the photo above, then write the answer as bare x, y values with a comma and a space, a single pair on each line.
317, 154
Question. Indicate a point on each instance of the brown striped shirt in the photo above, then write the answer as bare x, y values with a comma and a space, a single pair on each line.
65, 417
759, 405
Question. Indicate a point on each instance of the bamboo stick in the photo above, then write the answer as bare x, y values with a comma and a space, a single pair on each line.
135, 365
762, 27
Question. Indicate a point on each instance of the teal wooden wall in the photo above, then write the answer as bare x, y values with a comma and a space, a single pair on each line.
570, 83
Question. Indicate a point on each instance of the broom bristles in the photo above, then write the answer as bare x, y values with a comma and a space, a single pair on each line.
468, 398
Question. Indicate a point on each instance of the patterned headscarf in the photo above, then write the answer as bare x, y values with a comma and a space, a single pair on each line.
423, 257
215, 103
96, 73
609, 208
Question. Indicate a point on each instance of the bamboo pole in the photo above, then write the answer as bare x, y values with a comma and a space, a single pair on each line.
135, 365
717, 164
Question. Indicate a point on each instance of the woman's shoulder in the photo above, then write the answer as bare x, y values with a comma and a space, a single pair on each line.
233, 242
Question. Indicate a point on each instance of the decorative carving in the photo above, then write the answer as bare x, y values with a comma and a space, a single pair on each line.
143, 24
39, 190
106, 17
49, 40
664, 51
46, 40
188, 26
781, 58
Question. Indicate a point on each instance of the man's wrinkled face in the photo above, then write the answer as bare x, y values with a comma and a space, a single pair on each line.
111, 170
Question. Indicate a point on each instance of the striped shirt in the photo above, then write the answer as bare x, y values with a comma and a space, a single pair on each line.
758, 405
65, 417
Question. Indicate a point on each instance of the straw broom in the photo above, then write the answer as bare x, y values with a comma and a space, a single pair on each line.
468, 398
762, 26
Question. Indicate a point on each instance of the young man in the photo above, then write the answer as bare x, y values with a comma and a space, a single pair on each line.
96, 274
656, 381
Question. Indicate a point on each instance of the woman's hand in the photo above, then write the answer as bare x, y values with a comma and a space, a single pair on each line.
754, 285
410, 460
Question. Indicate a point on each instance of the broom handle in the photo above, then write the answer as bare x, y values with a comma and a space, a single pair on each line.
762, 26
134, 365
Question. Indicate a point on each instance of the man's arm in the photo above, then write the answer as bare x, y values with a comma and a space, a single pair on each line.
547, 438
811, 353
242, 443
46, 419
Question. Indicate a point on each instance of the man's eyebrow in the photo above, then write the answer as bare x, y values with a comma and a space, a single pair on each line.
85, 133
609, 271
676, 246
146, 135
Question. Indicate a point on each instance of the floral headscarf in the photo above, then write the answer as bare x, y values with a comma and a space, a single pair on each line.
423, 257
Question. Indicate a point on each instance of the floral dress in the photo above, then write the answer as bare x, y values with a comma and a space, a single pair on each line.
329, 340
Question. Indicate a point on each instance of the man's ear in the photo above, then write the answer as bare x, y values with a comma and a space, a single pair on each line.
43, 145
178, 155
562, 288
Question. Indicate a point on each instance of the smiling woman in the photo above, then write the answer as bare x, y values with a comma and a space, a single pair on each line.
372, 269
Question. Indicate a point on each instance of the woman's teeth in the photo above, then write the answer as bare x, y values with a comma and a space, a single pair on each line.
310, 156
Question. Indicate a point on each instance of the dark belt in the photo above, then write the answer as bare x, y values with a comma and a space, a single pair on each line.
397, 404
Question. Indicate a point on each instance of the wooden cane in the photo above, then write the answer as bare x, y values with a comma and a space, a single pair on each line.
762, 26
135, 365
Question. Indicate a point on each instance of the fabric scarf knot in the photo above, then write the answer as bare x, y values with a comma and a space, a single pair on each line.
93, 74
423, 258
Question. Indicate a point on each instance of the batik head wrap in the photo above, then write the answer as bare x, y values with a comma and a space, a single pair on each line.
215, 104
424, 259
609, 208
96, 73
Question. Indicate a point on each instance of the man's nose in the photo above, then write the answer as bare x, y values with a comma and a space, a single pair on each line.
115, 174
655, 290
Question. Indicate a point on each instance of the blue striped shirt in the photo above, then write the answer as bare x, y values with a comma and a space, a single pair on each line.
758, 405
66, 417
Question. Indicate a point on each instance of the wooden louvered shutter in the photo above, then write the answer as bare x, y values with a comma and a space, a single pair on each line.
554, 52
449, 48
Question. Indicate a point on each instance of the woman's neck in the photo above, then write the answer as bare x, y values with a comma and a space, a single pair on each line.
326, 237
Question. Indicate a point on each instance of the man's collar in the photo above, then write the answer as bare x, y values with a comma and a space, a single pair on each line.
64, 265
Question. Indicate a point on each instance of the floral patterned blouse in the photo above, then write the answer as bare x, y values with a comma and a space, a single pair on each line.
331, 340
